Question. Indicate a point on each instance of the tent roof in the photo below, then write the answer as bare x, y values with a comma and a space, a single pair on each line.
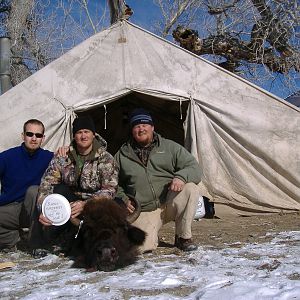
244, 138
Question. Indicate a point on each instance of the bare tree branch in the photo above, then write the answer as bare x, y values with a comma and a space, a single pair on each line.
181, 7
84, 3
216, 10
270, 37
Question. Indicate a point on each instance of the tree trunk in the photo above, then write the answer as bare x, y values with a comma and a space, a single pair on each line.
17, 25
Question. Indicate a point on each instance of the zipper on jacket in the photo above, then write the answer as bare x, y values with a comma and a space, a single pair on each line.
152, 189
130, 156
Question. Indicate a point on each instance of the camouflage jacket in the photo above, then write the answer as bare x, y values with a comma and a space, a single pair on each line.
98, 175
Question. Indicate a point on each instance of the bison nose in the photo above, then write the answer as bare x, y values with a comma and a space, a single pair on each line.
108, 253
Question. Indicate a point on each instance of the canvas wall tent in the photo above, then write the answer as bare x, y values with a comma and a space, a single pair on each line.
245, 139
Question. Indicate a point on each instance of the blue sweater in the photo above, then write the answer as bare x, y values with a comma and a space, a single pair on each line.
19, 169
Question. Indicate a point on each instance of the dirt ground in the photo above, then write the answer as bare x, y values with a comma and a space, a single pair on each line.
232, 232
207, 233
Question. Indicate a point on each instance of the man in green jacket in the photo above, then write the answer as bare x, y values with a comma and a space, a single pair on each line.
162, 176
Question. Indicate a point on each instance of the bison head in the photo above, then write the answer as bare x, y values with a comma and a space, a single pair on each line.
107, 240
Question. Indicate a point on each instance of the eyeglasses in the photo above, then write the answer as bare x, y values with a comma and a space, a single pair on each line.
31, 134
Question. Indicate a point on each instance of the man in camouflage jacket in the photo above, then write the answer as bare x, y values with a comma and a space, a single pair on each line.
87, 172
91, 176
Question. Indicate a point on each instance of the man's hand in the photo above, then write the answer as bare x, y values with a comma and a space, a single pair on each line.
45, 221
77, 208
130, 207
62, 151
176, 185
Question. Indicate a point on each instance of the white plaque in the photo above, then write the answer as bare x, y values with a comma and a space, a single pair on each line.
57, 209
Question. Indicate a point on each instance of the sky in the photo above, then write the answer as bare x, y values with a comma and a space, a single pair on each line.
268, 271
144, 12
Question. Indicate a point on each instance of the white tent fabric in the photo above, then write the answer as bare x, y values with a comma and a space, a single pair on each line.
245, 139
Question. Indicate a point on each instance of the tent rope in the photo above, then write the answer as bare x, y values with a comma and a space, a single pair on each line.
105, 112
180, 108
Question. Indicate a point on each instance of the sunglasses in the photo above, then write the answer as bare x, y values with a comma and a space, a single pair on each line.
31, 134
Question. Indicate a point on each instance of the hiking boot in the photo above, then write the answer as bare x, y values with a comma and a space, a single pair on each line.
9, 249
39, 253
185, 244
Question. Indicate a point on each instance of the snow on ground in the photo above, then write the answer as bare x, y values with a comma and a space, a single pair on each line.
253, 271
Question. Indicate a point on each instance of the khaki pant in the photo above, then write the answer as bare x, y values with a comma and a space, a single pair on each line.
16, 215
180, 207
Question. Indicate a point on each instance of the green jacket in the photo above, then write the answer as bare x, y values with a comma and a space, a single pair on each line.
149, 184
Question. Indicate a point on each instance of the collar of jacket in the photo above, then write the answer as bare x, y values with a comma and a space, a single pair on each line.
31, 155
127, 149
135, 145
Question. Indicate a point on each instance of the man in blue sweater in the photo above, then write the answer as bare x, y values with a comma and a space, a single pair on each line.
21, 169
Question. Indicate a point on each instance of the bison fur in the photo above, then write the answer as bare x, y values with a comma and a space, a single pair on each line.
106, 240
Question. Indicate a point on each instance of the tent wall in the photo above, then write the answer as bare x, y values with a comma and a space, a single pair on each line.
239, 169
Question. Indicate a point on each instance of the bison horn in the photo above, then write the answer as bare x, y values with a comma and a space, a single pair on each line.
132, 217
